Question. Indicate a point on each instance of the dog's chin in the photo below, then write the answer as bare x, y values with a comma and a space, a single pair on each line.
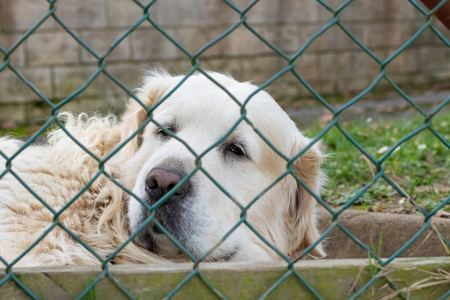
158, 243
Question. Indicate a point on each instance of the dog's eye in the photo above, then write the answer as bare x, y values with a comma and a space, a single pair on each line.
162, 133
235, 149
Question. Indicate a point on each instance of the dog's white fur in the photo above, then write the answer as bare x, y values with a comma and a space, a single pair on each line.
104, 215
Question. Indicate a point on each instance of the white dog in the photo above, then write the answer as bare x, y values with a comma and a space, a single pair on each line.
198, 214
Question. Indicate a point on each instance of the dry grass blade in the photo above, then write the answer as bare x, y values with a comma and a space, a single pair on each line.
369, 163
436, 231
353, 288
442, 277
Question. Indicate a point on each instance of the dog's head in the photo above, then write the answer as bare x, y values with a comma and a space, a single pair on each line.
220, 155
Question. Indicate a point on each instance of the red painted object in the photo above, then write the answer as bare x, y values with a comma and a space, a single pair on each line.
443, 14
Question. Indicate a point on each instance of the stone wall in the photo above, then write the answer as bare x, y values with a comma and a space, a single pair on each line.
333, 64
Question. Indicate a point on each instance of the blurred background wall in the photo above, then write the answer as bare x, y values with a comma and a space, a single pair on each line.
333, 64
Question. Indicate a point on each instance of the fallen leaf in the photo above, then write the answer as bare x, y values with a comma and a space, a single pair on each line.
397, 210
442, 214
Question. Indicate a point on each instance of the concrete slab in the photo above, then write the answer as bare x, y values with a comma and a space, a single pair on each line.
396, 231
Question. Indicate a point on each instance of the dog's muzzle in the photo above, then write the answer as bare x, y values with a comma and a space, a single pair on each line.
175, 215
159, 181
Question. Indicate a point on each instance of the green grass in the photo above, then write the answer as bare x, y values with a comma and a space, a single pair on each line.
421, 166
91, 295
18, 132
374, 262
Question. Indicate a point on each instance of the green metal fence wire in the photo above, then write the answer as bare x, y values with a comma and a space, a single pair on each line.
195, 61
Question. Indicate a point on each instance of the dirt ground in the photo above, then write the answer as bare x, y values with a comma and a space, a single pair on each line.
390, 108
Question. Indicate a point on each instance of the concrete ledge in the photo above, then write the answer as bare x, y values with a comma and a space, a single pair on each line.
397, 230
423, 278
331, 279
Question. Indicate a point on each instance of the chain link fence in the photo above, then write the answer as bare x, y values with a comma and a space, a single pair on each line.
194, 58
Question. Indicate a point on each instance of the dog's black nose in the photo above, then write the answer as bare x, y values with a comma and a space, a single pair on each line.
161, 180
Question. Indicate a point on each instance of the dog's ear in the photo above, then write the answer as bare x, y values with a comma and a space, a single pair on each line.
302, 219
154, 87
